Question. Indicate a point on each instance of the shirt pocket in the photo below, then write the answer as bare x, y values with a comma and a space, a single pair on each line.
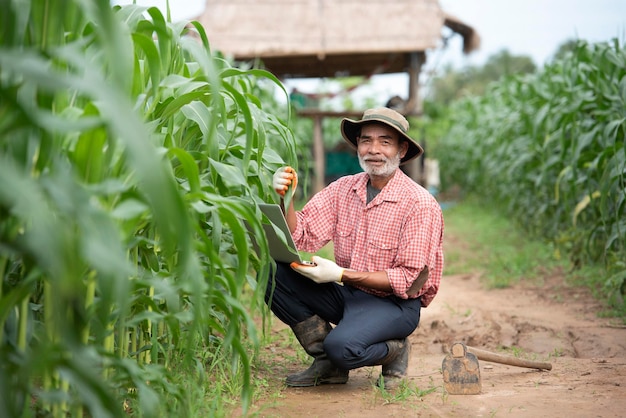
344, 244
381, 254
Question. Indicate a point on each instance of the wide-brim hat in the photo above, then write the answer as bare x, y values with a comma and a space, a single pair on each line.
350, 129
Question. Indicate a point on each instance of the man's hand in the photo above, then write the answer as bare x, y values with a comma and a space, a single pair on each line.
324, 271
283, 178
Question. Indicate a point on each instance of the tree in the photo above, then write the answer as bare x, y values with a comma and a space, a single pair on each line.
473, 80
565, 48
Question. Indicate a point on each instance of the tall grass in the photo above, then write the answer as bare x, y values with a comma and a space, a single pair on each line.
130, 155
551, 149
486, 242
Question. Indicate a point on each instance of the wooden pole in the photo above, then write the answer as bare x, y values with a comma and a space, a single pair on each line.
318, 154
318, 115
512, 361
414, 107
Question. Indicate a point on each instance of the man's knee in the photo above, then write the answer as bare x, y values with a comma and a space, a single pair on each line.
334, 349
344, 354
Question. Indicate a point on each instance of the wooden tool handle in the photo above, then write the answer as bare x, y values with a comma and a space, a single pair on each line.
511, 361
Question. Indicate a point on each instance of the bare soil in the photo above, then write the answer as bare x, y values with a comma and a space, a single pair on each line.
547, 321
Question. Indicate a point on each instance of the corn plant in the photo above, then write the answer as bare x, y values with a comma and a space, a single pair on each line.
130, 156
550, 147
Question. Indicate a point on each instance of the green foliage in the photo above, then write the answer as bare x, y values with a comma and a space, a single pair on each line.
130, 155
405, 392
564, 49
550, 148
494, 246
454, 84
472, 80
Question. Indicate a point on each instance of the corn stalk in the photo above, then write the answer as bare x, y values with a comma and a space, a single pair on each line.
130, 155
551, 149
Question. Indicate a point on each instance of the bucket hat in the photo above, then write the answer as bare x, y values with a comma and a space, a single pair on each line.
350, 129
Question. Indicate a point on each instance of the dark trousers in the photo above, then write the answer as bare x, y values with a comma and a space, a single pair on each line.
363, 321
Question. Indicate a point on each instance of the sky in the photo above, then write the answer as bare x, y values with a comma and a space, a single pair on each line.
535, 28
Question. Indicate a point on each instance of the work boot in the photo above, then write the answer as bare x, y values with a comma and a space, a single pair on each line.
311, 334
395, 364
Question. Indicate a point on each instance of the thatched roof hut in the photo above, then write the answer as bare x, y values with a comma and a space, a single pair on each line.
334, 38
329, 38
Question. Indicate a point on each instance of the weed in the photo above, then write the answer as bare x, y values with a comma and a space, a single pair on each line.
402, 393
557, 352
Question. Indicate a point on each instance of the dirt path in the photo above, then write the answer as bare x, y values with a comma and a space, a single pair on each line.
550, 322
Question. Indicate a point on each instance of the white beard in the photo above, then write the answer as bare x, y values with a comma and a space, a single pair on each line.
386, 170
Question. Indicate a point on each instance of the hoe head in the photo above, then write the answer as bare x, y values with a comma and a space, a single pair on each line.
461, 372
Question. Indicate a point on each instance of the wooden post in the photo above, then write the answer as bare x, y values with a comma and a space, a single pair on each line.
413, 107
318, 154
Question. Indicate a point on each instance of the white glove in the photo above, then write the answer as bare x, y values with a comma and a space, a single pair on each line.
323, 271
283, 178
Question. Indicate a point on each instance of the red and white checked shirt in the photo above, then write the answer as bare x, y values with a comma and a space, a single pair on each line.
400, 231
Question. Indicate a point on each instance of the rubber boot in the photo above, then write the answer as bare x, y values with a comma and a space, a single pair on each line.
311, 334
395, 364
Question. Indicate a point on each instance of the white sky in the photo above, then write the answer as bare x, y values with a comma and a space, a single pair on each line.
524, 27
538, 27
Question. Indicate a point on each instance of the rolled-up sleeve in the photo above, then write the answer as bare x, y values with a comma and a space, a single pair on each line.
399, 232
420, 246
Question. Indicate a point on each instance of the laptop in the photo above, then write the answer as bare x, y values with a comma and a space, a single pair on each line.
282, 249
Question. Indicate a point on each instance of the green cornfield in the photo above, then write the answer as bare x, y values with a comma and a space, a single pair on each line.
130, 157
550, 149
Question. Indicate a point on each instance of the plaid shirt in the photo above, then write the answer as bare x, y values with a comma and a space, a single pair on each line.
400, 231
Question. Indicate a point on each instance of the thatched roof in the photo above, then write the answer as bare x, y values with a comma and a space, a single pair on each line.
329, 38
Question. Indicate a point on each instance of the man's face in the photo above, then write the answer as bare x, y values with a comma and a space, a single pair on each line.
380, 150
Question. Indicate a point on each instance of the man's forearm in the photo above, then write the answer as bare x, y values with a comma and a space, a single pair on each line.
377, 280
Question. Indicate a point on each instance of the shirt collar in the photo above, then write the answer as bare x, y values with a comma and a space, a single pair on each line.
392, 192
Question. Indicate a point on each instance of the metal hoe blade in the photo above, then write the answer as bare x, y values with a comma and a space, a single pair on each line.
461, 372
